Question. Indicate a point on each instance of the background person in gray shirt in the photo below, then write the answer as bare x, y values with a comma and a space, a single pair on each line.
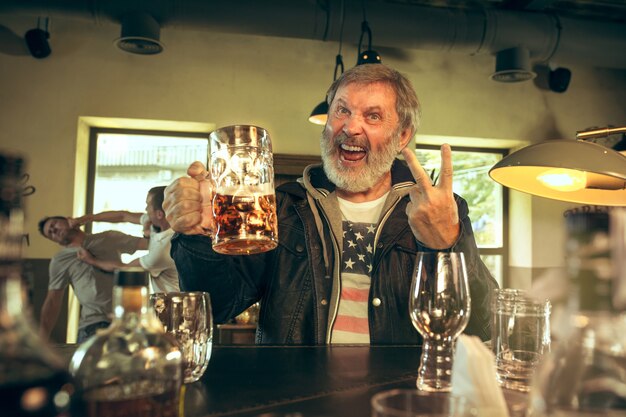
93, 287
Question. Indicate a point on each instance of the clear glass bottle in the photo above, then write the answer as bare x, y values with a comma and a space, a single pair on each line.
33, 381
133, 368
586, 371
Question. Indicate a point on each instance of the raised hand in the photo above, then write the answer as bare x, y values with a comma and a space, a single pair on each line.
432, 212
187, 202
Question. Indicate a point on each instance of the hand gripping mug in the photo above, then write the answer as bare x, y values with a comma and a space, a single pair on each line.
243, 199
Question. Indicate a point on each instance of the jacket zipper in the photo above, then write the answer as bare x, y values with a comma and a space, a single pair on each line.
337, 262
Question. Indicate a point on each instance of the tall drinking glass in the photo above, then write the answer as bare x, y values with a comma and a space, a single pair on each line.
440, 309
244, 203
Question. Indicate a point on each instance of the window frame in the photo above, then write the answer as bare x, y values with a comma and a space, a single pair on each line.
502, 251
93, 153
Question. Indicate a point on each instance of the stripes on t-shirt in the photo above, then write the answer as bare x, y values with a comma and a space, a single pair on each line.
359, 223
352, 317
351, 324
354, 294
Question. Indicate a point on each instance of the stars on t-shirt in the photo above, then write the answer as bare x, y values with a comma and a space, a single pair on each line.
358, 239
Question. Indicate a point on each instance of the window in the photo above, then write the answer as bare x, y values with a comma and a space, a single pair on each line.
125, 164
487, 200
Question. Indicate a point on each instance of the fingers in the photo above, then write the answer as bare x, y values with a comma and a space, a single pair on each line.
183, 204
422, 180
197, 169
445, 177
182, 197
188, 224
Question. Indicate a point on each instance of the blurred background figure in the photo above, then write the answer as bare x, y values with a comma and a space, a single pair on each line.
158, 262
93, 286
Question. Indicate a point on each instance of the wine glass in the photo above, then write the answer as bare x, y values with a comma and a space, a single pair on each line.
440, 308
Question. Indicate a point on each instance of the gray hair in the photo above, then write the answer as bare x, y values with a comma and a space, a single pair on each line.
407, 104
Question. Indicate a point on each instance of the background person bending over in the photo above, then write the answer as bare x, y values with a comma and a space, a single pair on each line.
348, 233
158, 262
93, 287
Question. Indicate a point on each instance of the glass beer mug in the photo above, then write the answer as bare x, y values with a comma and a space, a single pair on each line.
244, 203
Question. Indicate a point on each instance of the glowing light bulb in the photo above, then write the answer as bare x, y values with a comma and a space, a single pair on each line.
562, 179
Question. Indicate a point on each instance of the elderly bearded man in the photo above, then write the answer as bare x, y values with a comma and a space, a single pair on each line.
311, 290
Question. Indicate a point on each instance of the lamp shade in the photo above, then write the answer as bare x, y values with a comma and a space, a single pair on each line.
319, 115
567, 170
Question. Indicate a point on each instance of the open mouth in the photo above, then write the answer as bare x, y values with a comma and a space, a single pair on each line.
352, 153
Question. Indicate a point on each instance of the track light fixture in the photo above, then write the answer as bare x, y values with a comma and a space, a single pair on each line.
37, 41
558, 79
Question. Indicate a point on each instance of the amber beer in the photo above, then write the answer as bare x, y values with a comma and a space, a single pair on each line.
242, 186
245, 223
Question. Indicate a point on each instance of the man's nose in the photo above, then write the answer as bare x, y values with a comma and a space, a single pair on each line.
353, 125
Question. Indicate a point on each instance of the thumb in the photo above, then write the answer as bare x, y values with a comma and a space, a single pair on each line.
197, 170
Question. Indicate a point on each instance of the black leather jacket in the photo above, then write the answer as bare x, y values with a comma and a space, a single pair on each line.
298, 286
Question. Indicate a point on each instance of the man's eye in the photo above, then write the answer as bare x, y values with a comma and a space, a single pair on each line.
374, 116
342, 110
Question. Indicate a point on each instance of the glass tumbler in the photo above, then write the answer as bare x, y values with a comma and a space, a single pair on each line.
188, 317
520, 335
401, 402
244, 203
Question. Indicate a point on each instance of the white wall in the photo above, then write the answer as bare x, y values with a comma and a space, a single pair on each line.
223, 79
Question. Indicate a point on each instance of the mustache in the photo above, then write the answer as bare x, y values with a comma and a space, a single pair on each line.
343, 138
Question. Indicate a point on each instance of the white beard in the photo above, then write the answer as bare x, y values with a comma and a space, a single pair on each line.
357, 180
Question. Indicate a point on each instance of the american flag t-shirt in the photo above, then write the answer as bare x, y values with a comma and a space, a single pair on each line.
359, 229
351, 324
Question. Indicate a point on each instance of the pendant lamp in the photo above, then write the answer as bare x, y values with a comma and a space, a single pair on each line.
578, 171
319, 115
368, 56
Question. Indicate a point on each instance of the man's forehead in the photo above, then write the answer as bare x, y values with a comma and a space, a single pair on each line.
345, 92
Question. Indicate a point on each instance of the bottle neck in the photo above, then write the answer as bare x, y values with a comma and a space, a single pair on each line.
130, 301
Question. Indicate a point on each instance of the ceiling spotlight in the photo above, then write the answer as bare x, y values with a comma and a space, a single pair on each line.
37, 41
140, 34
559, 79
513, 65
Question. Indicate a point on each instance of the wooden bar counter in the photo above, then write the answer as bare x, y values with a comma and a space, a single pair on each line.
295, 381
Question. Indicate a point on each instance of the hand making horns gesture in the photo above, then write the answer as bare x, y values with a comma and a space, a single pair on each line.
432, 212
